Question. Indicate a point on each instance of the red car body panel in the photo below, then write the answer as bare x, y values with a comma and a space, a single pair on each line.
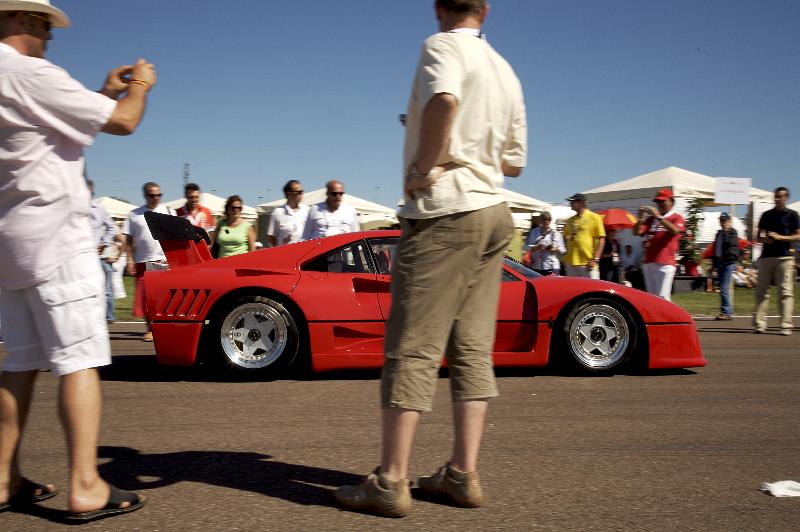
344, 314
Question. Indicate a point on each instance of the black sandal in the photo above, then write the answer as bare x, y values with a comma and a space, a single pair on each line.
116, 498
26, 495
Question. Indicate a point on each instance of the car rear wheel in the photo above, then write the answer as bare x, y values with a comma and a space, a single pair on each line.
600, 336
257, 334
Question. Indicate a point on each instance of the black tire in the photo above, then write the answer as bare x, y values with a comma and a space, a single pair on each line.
255, 334
599, 337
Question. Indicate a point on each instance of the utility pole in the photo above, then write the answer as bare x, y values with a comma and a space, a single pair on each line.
186, 174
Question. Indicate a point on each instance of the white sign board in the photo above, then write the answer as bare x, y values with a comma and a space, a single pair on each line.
732, 190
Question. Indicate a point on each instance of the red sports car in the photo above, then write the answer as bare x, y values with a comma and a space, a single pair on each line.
325, 302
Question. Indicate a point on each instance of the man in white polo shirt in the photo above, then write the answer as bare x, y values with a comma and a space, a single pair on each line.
144, 252
288, 222
331, 217
465, 129
53, 293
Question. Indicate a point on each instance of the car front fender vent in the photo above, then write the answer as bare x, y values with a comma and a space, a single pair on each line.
185, 303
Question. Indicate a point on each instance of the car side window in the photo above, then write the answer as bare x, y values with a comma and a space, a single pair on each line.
508, 277
384, 251
349, 259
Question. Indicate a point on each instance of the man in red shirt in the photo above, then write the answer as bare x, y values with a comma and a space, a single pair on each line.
194, 212
660, 228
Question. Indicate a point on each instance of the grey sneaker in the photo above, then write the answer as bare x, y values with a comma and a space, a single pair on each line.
376, 495
786, 332
459, 488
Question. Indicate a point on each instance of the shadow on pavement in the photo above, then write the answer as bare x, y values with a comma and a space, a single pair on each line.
144, 368
243, 471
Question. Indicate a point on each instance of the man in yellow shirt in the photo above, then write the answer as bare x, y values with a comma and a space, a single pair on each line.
585, 237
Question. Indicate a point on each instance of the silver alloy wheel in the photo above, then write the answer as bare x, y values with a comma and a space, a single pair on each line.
253, 335
599, 336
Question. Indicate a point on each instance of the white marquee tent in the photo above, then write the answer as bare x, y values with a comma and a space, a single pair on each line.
369, 213
117, 209
708, 226
216, 205
794, 206
629, 194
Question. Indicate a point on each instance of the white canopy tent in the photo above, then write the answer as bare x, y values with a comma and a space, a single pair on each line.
708, 226
216, 205
629, 194
794, 206
117, 209
369, 213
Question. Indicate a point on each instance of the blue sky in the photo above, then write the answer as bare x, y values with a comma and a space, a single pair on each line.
252, 93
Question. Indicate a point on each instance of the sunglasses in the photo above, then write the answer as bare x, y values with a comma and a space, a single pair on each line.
296, 192
153, 195
47, 24
235, 208
336, 193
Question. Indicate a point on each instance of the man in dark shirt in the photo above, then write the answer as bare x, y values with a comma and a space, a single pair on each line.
778, 229
726, 253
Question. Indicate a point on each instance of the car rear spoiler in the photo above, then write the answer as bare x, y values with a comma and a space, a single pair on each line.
183, 243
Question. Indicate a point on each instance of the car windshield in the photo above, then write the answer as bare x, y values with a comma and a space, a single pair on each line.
521, 268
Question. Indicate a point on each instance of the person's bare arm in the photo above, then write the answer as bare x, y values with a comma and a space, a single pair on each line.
784, 238
251, 239
601, 242
511, 171
128, 249
130, 109
437, 122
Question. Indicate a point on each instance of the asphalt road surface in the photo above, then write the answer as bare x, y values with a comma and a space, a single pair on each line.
681, 450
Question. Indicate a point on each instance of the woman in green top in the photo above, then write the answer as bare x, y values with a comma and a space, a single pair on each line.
233, 234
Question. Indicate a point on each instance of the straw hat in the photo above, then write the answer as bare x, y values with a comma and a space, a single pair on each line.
57, 17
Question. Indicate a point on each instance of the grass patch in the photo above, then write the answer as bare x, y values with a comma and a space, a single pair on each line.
123, 308
744, 302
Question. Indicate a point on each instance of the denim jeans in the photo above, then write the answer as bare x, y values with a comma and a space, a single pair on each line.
724, 273
108, 270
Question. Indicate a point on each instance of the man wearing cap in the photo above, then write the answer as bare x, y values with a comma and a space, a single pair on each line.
585, 237
545, 244
660, 228
53, 293
726, 254
466, 128
778, 229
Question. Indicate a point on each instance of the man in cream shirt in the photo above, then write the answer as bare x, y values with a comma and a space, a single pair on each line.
465, 130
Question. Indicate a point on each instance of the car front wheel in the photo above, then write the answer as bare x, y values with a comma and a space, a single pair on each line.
601, 336
257, 334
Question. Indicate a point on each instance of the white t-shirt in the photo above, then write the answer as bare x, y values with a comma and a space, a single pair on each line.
286, 222
490, 126
322, 222
145, 248
46, 119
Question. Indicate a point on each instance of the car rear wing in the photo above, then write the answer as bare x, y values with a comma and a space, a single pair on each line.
183, 243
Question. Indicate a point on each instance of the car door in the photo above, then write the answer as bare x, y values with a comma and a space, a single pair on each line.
516, 309
339, 296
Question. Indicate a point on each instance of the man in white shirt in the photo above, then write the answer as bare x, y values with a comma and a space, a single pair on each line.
331, 217
465, 129
144, 252
288, 222
52, 284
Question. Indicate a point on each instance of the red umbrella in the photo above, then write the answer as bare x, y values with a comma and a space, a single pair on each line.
617, 218
709, 252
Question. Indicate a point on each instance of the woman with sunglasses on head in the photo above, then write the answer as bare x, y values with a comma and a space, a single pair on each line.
234, 235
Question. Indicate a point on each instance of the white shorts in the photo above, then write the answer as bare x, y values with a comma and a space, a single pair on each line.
59, 324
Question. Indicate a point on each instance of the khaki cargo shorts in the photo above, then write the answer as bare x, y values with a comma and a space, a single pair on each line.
445, 287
